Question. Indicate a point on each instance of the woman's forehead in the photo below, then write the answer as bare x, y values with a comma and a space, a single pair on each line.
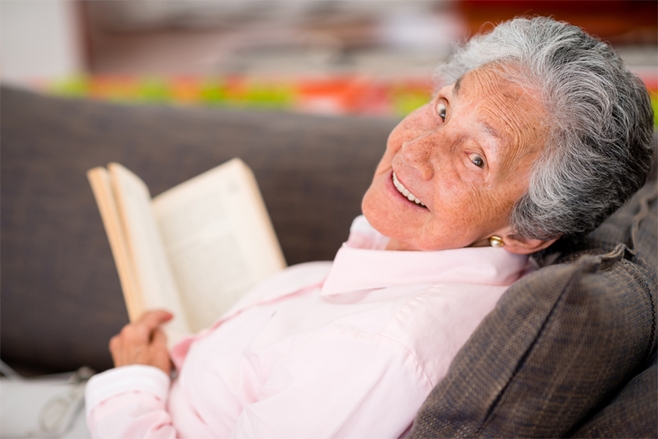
511, 113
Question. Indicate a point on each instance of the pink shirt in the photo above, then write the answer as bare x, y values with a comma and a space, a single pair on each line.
344, 349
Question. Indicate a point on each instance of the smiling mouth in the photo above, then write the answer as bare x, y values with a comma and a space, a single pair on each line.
404, 191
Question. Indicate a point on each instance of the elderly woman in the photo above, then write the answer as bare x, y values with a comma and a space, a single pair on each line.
540, 132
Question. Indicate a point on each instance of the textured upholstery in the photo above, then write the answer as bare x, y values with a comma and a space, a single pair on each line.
562, 343
61, 299
631, 414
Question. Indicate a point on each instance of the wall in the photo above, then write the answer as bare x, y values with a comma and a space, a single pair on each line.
39, 40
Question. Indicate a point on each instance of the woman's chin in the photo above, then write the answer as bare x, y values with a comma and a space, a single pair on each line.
397, 245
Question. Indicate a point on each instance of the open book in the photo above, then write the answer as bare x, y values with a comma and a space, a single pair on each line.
194, 249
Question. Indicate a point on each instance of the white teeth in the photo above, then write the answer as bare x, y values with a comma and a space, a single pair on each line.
404, 191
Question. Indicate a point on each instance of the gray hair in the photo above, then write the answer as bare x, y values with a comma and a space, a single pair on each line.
598, 151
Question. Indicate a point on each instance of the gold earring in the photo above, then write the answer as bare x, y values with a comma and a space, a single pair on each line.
496, 241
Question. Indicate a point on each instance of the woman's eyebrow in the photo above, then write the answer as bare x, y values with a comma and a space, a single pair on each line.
489, 129
492, 147
455, 89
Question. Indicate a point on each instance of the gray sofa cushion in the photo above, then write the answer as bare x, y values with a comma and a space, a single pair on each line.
562, 343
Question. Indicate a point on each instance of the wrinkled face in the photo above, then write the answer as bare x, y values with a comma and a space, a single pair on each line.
454, 168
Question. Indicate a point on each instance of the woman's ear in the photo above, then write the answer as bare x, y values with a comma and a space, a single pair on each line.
517, 244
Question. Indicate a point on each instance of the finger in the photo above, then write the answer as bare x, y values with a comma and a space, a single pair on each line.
114, 343
135, 333
116, 350
159, 338
142, 329
153, 319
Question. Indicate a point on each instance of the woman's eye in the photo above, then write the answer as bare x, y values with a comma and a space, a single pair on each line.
477, 160
441, 109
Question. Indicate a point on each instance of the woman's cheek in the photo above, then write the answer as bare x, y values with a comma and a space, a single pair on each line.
394, 141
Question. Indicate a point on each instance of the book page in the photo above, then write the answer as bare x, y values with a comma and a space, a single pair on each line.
99, 179
218, 239
157, 286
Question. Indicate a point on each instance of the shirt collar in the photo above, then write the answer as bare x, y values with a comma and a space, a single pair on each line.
362, 264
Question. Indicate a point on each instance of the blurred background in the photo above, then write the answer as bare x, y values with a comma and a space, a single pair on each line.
371, 57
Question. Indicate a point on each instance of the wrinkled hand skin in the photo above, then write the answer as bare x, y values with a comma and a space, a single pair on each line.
143, 342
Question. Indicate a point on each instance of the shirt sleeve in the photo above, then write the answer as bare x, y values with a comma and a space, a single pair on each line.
127, 402
340, 383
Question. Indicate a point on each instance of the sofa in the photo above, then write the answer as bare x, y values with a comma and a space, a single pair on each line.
569, 351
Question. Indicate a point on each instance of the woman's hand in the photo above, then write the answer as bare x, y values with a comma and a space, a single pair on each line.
143, 342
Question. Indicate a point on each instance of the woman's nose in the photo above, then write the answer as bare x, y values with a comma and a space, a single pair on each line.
417, 152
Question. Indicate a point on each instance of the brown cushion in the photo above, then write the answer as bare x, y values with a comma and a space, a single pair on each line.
632, 413
562, 343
